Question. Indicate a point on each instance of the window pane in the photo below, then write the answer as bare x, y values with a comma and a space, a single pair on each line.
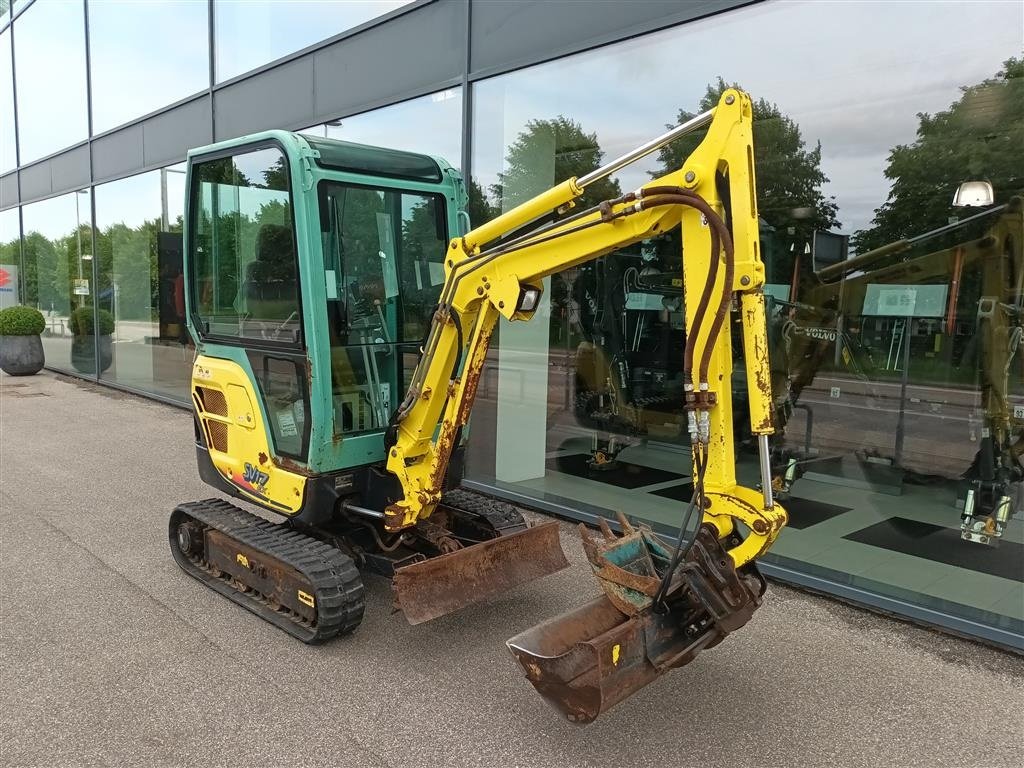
244, 249
58, 281
438, 121
384, 251
141, 283
10, 258
901, 388
8, 159
145, 56
49, 58
255, 32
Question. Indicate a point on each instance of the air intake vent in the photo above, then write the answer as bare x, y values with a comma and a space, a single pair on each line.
213, 401
218, 435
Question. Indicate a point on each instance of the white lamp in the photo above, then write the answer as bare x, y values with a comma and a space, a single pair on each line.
974, 194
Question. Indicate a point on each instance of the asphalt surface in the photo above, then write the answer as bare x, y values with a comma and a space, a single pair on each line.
110, 655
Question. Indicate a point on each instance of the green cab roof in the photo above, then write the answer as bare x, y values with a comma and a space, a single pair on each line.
345, 156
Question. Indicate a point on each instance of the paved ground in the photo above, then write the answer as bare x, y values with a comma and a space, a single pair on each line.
109, 655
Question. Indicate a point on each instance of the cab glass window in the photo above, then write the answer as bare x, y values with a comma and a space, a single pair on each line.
384, 264
244, 275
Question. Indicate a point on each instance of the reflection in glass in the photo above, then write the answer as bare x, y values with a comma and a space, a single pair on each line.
250, 34
8, 158
246, 274
10, 258
49, 56
437, 117
895, 317
384, 254
144, 56
57, 262
141, 282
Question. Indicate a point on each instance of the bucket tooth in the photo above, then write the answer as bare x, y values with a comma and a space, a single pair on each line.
444, 584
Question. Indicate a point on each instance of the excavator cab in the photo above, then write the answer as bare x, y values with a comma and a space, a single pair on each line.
312, 271
313, 266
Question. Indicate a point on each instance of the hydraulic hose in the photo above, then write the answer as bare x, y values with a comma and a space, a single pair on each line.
719, 238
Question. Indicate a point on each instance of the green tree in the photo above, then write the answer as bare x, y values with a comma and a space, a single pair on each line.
548, 152
479, 207
128, 255
789, 175
980, 136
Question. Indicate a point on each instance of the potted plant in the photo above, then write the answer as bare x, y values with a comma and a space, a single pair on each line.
83, 342
21, 351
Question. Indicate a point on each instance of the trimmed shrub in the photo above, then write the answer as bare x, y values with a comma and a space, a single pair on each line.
81, 324
21, 321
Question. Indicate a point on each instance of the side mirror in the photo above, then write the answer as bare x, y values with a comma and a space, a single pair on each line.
828, 249
974, 194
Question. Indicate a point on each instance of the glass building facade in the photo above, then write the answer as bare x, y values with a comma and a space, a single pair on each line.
891, 193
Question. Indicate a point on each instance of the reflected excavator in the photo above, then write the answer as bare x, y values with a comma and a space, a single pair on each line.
973, 270
324, 278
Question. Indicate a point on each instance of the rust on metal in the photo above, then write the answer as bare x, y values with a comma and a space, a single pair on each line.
442, 451
258, 572
587, 660
443, 584
474, 369
394, 518
283, 462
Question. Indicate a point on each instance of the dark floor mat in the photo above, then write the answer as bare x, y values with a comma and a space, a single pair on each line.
943, 545
803, 513
624, 475
678, 492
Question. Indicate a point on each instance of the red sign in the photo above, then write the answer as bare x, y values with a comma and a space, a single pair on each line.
5, 277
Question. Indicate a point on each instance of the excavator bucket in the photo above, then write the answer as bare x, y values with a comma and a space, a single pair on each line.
589, 659
447, 583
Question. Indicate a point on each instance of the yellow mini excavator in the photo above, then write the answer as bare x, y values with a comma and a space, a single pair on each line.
324, 279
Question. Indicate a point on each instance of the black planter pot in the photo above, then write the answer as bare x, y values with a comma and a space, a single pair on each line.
21, 355
83, 353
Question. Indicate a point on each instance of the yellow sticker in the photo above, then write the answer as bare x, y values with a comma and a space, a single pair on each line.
305, 598
242, 559
615, 654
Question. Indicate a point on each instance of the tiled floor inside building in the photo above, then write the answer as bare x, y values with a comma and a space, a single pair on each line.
884, 542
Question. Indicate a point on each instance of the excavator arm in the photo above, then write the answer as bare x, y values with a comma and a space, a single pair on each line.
661, 605
487, 277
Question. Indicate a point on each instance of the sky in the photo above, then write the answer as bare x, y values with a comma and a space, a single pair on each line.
853, 75
146, 55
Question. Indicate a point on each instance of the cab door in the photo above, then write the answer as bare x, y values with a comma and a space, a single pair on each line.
245, 309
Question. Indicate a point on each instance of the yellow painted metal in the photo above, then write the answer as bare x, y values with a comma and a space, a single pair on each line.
480, 286
521, 215
237, 437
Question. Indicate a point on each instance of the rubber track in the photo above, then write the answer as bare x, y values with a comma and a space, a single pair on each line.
332, 575
503, 517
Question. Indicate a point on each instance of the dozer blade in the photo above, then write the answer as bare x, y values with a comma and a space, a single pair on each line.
589, 659
447, 583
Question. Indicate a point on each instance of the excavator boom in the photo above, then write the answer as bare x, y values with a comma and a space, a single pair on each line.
309, 265
661, 606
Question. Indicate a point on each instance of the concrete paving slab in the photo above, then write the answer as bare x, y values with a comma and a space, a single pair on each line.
110, 655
